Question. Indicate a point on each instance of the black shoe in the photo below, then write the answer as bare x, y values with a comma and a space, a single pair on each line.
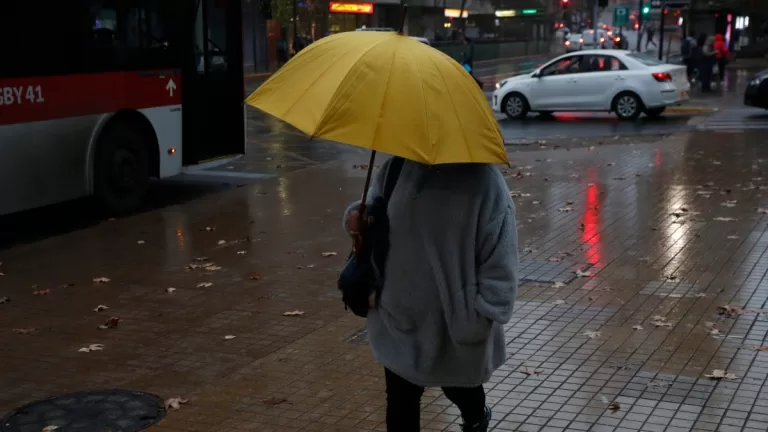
479, 427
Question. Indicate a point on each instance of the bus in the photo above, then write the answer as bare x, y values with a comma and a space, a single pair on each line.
99, 96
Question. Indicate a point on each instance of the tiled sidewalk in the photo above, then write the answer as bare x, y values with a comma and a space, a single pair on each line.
573, 351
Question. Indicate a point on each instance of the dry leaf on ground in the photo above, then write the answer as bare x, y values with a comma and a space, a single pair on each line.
721, 374
100, 308
209, 228
725, 219
714, 331
140, 242
559, 302
201, 259
222, 242
555, 259
111, 323
212, 268
170, 290
328, 254
50, 428
637, 327
531, 371
254, 276
41, 292
5, 300
101, 279
174, 403
729, 203
92, 347
762, 210
580, 273
591, 334
25, 331
294, 313
565, 209
614, 406
760, 348
729, 311
662, 324
558, 285
274, 401
659, 318
229, 337
242, 252
659, 384
204, 285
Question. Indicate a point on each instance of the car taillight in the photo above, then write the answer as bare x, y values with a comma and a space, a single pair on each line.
602, 40
567, 43
662, 76
581, 40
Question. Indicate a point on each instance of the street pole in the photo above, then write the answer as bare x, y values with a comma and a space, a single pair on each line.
661, 29
594, 21
295, 21
639, 24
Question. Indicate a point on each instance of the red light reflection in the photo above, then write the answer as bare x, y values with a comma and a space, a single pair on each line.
590, 235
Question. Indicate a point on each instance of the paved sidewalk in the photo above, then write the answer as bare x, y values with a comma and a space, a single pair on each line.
668, 231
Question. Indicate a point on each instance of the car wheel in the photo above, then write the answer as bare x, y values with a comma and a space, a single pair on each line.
515, 106
655, 112
627, 106
121, 169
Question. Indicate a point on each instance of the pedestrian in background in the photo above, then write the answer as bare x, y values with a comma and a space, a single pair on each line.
722, 55
650, 31
449, 287
687, 48
706, 61
468, 55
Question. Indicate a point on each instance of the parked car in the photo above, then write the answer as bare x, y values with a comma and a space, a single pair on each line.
603, 39
623, 82
756, 94
573, 42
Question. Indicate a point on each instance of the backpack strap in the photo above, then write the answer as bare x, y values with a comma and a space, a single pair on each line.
392, 175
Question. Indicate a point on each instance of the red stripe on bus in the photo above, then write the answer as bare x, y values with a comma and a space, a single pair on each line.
24, 100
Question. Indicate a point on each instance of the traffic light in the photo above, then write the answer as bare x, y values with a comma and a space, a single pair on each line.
646, 10
602, 3
564, 3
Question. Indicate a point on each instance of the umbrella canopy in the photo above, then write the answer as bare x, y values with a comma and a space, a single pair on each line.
385, 92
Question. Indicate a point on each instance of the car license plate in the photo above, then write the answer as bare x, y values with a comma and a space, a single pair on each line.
684, 94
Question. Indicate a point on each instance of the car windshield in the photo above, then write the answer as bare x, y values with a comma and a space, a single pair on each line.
645, 59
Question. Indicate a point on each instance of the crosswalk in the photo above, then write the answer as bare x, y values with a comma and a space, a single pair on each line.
736, 119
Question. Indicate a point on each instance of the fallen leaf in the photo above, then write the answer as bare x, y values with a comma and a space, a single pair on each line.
211, 268
209, 228
614, 406
25, 331
5, 300
328, 254
242, 252
229, 337
729, 203
92, 347
580, 273
100, 308
294, 313
730, 311
558, 285
659, 318
49, 428
637, 327
565, 209
201, 259
760, 348
41, 292
725, 219
274, 401
221, 242
140, 242
111, 323
174, 403
700, 295
555, 259
535, 202
662, 324
762, 210
721, 374
659, 384
591, 334
559, 302
733, 237
204, 285
531, 371
714, 331
101, 279
170, 290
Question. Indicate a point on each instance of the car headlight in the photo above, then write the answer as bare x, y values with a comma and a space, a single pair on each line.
756, 81
500, 84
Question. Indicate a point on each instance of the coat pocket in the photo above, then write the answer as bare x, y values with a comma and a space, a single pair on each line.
466, 325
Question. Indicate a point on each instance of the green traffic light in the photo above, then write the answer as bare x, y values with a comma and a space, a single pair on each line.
646, 10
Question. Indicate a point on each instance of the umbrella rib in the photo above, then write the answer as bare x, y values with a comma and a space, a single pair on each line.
343, 80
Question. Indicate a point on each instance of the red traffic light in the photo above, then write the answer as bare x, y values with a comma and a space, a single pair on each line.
564, 2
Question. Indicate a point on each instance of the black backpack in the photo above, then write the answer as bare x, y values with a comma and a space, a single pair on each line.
363, 273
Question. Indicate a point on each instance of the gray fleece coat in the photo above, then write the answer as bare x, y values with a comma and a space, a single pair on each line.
451, 275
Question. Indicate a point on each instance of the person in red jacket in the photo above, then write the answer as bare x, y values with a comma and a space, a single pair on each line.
721, 55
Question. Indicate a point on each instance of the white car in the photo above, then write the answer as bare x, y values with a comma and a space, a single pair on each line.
603, 39
618, 81
573, 42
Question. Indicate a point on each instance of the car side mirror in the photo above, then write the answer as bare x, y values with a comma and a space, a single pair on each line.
536, 75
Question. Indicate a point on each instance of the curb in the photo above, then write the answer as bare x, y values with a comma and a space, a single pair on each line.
690, 109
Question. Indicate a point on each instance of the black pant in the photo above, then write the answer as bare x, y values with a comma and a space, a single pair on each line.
689, 68
404, 403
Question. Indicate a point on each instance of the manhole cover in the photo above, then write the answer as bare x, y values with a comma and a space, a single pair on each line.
94, 411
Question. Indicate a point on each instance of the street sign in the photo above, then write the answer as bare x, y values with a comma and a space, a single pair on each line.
620, 16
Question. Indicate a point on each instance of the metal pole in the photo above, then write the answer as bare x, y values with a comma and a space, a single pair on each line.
594, 22
661, 29
639, 24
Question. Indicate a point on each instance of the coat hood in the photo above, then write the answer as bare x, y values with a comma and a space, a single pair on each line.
719, 37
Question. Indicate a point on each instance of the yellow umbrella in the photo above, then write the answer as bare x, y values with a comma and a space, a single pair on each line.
385, 92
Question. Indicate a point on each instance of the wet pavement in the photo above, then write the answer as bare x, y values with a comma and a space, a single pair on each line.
664, 232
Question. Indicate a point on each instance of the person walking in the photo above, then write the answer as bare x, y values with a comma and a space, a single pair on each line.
722, 55
468, 55
650, 31
687, 53
449, 286
706, 61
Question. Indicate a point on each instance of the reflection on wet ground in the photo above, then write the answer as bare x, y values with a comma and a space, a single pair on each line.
662, 233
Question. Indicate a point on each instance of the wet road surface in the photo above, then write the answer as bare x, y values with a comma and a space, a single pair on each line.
663, 232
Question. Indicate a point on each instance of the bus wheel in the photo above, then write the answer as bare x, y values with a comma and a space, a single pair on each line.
121, 169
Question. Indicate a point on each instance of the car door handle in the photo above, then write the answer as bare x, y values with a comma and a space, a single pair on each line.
619, 78
572, 80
